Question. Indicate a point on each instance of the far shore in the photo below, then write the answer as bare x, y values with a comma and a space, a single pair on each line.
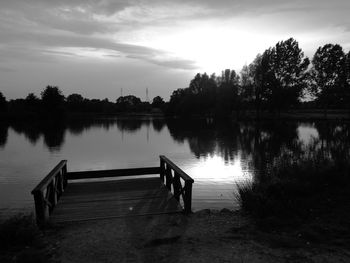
249, 115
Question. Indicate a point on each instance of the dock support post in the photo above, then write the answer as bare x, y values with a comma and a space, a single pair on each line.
162, 170
188, 197
41, 209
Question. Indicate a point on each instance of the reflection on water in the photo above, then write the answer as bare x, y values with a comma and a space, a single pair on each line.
216, 154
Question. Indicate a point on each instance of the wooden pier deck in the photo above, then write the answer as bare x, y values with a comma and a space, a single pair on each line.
59, 198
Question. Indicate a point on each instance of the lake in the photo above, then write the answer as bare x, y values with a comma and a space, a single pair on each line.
217, 155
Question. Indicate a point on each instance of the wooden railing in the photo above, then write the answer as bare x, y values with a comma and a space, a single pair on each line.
112, 173
48, 192
171, 175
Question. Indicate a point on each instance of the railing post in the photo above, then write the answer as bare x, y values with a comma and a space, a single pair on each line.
162, 169
169, 177
41, 209
52, 197
64, 176
177, 186
188, 197
60, 187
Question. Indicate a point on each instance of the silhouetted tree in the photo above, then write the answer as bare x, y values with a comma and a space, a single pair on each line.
329, 75
52, 100
128, 103
227, 93
75, 102
246, 92
289, 67
157, 102
32, 103
3, 103
263, 79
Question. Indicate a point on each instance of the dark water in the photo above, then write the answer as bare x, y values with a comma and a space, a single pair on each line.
216, 154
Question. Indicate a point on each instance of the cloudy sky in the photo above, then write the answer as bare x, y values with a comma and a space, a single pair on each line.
97, 47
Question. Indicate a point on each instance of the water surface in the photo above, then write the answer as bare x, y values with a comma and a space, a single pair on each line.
218, 155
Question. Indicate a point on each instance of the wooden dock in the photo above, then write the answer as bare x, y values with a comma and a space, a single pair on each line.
60, 198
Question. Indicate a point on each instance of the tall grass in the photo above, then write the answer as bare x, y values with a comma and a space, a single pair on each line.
297, 190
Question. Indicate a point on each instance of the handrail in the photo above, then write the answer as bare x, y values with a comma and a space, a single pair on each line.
48, 178
184, 176
170, 175
48, 192
112, 173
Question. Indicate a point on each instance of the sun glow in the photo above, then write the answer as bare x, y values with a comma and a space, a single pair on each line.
213, 47
214, 168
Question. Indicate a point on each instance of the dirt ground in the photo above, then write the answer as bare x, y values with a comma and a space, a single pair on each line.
205, 236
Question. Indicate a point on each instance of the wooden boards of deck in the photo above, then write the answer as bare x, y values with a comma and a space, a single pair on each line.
118, 198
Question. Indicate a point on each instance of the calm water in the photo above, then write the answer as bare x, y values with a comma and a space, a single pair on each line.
217, 155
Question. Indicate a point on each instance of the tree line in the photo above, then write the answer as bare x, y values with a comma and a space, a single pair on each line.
282, 78
52, 103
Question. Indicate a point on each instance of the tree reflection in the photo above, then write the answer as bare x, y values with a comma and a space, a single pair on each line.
3, 134
53, 132
262, 145
158, 124
132, 125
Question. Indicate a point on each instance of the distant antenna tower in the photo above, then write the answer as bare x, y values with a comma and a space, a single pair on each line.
121, 92
147, 99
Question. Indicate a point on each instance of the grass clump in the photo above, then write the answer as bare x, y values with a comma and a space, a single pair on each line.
21, 240
295, 192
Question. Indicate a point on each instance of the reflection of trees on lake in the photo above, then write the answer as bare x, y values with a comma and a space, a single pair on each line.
3, 134
53, 132
79, 126
158, 124
334, 140
132, 125
230, 139
200, 136
54, 135
262, 145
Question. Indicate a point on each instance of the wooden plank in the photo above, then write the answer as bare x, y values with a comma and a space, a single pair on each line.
182, 174
112, 173
47, 179
97, 200
106, 197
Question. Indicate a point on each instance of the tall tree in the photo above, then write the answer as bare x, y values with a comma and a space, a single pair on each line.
227, 93
157, 102
329, 75
246, 91
263, 77
52, 100
290, 71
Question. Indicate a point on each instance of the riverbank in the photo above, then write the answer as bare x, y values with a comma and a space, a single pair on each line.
205, 236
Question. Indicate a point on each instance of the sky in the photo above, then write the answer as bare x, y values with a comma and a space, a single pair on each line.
105, 48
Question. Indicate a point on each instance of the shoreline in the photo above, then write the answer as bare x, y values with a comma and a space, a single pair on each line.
204, 236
